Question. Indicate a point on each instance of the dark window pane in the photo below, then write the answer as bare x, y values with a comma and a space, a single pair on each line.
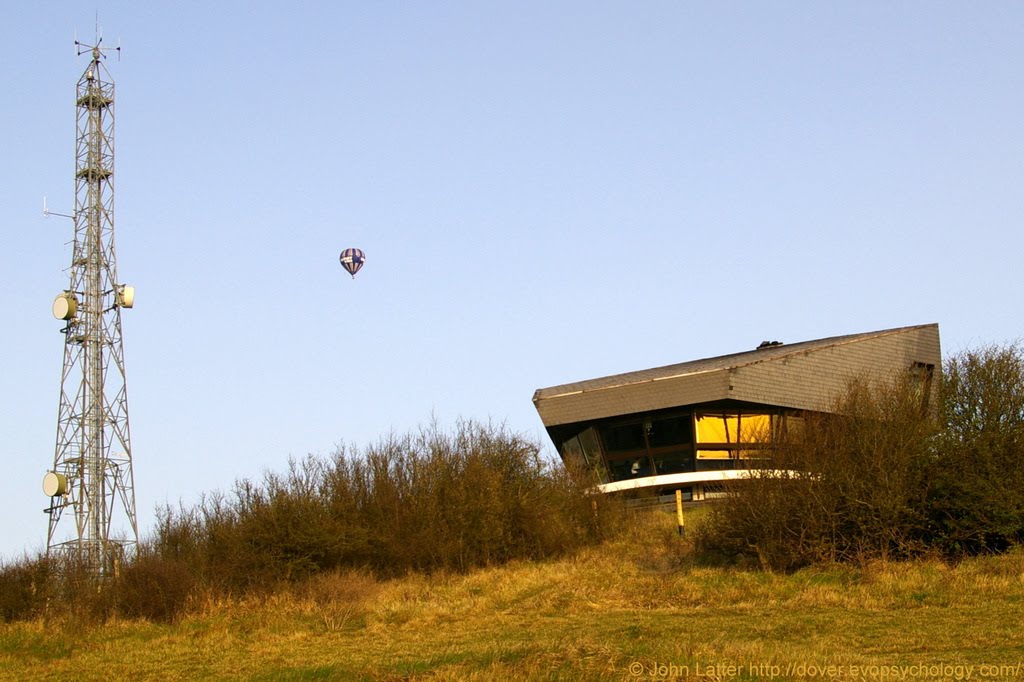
590, 444
675, 462
672, 431
625, 437
572, 452
591, 447
621, 469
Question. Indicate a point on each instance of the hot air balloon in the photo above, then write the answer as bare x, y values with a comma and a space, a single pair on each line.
352, 260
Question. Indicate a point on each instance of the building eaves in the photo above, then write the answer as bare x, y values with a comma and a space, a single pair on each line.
707, 365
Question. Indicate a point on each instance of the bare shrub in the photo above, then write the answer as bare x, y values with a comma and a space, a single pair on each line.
74, 594
154, 587
432, 500
429, 500
885, 478
977, 500
851, 487
23, 586
475, 497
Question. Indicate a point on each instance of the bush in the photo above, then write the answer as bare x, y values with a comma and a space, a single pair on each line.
886, 478
476, 497
57, 589
154, 587
425, 501
850, 487
977, 501
22, 589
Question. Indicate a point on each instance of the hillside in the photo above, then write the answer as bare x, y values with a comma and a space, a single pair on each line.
630, 609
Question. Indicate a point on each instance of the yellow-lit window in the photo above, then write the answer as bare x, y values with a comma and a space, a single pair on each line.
717, 428
755, 428
725, 429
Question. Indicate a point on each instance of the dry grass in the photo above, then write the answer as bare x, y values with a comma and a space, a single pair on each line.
633, 602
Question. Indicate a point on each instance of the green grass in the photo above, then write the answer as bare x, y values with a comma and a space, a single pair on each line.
633, 602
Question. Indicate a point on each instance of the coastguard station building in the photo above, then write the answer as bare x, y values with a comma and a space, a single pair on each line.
695, 425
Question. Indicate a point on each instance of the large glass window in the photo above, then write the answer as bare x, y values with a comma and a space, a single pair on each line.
591, 447
649, 447
669, 431
732, 435
666, 443
572, 452
583, 449
623, 438
671, 444
625, 449
677, 461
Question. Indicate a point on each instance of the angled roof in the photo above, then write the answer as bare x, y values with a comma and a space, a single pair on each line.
807, 375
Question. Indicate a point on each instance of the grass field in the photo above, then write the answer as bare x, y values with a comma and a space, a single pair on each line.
633, 609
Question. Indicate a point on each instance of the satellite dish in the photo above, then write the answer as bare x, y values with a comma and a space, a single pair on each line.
126, 296
65, 306
352, 260
55, 484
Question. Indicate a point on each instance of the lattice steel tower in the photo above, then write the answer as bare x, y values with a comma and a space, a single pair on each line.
92, 478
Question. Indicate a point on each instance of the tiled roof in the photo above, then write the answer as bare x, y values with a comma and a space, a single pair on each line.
803, 375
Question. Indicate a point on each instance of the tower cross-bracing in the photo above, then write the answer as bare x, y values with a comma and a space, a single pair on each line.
92, 520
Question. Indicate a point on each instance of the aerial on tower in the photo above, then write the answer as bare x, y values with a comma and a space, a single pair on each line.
92, 520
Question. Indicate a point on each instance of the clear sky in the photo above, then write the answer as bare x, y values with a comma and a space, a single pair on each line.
545, 191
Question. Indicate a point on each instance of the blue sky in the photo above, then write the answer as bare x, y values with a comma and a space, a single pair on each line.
545, 191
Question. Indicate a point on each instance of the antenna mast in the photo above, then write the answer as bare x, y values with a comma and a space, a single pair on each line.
92, 476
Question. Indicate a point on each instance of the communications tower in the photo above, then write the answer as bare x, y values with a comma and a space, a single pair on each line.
91, 485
